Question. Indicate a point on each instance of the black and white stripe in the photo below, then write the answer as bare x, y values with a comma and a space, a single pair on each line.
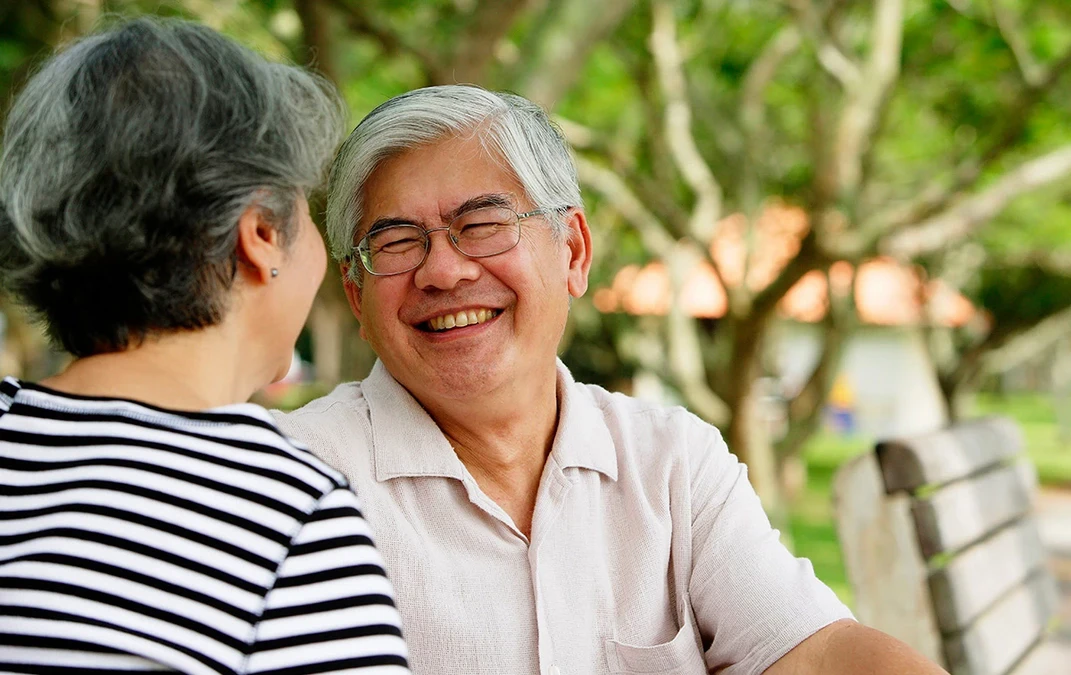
136, 539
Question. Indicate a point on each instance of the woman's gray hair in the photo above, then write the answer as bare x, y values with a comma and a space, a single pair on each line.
511, 128
127, 162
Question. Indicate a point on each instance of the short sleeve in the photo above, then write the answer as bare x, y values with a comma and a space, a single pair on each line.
332, 607
753, 600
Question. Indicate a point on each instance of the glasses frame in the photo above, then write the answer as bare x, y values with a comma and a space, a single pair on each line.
361, 248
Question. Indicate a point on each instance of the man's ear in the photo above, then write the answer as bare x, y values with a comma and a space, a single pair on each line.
353, 293
578, 242
260, 248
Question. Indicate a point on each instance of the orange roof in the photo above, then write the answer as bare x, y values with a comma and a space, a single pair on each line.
887, 292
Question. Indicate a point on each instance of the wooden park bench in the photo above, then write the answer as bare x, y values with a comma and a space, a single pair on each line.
942, 551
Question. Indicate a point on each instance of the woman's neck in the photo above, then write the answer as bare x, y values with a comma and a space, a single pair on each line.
189, 370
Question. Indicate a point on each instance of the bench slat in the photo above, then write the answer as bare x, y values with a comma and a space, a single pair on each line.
882, 558
1001, 636
947, 455
981, 574
964, 512
1051, 657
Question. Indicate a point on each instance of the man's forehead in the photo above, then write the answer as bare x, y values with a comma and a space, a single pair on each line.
437, 180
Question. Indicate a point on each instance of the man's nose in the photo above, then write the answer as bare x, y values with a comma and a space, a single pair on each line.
445, 266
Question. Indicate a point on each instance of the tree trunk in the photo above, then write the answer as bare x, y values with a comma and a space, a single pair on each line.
557, 61
748, 432
326, 324
958, 394
1061, 389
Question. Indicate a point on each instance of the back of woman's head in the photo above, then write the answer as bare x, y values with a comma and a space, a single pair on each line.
127, 161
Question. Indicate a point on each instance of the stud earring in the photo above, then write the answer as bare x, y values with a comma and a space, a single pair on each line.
274, 272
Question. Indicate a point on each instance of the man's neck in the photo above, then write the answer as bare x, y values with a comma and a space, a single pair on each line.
503, 439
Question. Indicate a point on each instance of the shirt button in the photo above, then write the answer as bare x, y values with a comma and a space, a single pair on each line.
554, 670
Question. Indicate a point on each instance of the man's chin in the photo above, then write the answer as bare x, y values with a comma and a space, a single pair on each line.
458, 380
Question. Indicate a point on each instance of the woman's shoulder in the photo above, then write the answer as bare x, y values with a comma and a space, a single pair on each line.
9, 388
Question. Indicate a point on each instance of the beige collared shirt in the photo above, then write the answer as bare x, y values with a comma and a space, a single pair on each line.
650, 552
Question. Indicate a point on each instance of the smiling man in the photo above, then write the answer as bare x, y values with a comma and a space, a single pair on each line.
530, 523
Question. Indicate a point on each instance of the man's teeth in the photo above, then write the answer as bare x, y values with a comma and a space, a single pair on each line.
467, 317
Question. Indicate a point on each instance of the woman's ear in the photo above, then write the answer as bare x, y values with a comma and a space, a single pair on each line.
260, 248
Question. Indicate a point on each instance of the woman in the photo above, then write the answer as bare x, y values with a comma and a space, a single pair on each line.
152, 186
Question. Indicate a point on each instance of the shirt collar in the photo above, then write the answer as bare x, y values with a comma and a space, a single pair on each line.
405, 439
582, 440
406, 442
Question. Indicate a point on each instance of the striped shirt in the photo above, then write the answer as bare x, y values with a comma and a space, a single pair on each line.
138, 539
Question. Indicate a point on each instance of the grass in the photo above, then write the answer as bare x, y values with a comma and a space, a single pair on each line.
1037, 417
811, 520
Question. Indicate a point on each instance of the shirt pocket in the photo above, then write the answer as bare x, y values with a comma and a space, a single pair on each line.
683, 655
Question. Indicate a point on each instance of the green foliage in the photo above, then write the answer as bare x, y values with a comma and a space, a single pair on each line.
1021, 296
1036, 415
814, 535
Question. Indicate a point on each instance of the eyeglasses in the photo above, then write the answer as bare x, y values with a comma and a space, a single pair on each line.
480, 233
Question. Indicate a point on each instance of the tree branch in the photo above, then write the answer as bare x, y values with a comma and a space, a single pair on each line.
1008, 25
685, 354
962, 219
678, 125
318, 45
1028, 343
557, 61
361, 21
939, 194
753, 109
643, 73
805, 409
685, 351
607, 183
808, 258
835, 62
1057, 263
862, 111
647, 190
489, 22
761, 73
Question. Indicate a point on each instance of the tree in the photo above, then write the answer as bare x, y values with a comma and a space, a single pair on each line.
856, 112
1022, 285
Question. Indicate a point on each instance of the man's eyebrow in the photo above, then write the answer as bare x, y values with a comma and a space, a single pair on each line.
491, 199
381, 223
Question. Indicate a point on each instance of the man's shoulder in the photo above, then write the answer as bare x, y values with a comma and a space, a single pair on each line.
618, 406
338, 413
646, 426
345, 399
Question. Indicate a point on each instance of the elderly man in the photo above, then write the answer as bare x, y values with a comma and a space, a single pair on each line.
530, 523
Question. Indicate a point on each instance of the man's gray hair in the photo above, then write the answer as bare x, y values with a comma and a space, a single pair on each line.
511, 128
127, 162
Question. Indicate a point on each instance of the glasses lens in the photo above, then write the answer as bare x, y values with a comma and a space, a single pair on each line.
486, 232
393, 250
